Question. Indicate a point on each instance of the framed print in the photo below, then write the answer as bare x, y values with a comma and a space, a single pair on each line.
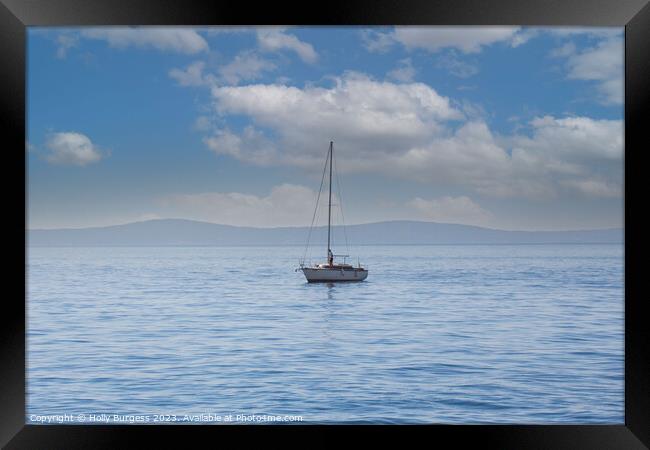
373, 217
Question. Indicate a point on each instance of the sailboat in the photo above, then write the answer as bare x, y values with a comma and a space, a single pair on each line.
331, 271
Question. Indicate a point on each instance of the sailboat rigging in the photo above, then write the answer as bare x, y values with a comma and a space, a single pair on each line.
331, 271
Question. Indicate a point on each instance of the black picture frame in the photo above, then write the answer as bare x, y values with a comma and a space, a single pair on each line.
634, 15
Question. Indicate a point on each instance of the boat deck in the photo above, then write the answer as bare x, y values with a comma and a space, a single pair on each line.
336, 267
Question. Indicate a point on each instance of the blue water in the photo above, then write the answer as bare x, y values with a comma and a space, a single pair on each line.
437, 334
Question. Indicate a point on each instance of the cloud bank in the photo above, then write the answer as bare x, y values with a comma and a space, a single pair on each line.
285, 205
408, 130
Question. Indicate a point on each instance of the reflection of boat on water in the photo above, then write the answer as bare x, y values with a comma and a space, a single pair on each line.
331, 271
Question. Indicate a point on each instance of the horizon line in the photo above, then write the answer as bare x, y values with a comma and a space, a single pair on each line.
319, 226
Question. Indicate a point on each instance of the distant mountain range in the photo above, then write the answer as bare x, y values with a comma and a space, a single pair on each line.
180, 232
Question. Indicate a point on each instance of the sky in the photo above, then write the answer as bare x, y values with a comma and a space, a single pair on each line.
501, 127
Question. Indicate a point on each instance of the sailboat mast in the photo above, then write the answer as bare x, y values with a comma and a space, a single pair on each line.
329, 210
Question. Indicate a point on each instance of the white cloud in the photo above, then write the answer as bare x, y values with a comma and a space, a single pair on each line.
376, 41
366, 117
408, 130
246, 66
251, 146
405, 72
180, 40
448, 209
71, 149
612, 91
469, 157
192, 75
274, 39
434, 38
285, 205
469, 39
465, 39
576, 138
581, 154
541, 167
523, 36
602, 64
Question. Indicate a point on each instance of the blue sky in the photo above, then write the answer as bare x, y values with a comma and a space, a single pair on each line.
504, 127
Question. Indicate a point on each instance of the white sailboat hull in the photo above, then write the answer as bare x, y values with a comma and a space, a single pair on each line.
318, 274
331, 271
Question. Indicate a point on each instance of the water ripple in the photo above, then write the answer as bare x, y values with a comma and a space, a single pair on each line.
466, 334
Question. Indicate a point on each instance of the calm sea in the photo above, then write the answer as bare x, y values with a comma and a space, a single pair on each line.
437, 334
